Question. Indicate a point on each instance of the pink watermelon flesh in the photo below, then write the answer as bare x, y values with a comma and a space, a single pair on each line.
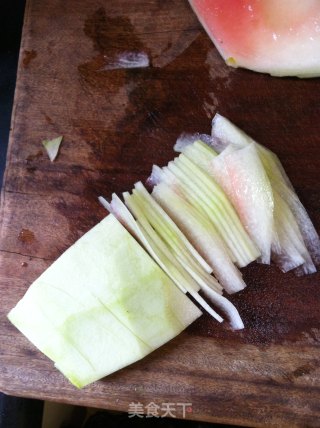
281, 38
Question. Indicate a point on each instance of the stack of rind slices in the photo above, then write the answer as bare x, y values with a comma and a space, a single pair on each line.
223, 203
107, 301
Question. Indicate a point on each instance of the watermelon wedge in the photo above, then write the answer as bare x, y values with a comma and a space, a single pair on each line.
281, 38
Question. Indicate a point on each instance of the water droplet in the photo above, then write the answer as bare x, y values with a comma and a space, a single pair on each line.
26, 236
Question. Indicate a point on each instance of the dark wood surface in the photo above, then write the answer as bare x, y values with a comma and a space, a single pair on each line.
116, 124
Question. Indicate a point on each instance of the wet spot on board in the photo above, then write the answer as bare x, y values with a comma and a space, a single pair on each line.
28, 57
168, 47
271, 308
166, 101
26, 236
48, 119
158, 104
80, 218
301, 371
31, 353
35, 156
150, 106
112, 38
31, 169
111, 34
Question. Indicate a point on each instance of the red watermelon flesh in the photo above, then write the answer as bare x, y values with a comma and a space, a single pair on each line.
279, 37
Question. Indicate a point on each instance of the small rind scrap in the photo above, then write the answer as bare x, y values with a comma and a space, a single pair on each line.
52, 147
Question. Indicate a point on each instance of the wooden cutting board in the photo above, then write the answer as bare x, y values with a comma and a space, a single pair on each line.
116, 123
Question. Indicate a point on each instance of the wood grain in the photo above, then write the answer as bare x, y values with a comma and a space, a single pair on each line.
116, 124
